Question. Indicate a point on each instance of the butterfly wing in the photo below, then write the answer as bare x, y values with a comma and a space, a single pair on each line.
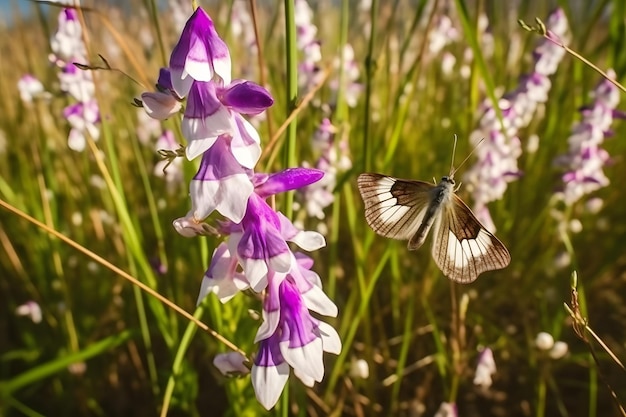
462, 247
394, 208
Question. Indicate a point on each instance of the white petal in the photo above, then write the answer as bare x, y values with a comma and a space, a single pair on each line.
181, 82
316, 300
309, 240
268, 383
269, 325
199, 70
307, 359
225, 288
222, 67
76, 140
247, 154
230, 362
198, 147
256, 273
330, 338
188, 227
229, 196
160, 105
281, 263
306, 380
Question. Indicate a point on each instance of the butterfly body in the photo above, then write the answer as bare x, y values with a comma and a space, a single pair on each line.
440, 196
409, 209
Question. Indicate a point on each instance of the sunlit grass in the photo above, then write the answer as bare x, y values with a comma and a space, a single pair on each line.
419, 333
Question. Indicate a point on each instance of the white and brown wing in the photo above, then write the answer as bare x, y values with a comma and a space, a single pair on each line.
394, 208
462, 247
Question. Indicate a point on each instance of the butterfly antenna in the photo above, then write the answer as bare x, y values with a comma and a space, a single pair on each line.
453, 171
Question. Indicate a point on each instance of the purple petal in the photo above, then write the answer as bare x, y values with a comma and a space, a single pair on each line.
200, 53
298, 326
246, 97
202, 101
165, 79
261, 246
289, 179
218, 162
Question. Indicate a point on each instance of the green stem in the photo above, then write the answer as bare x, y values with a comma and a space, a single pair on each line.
185, 341
370, 67
541, 396
153, 10
292, 96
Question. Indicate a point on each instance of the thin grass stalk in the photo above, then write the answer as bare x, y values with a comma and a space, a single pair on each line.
341, 114
261, 61
455, 345
370, 69
41, 165
130, 234
289, 150
407, 342
120, 272
153, 9
179, 357
150, 200
131, 240
442, 356
146, 337
365, 297
541, 394
471, 35
403, 100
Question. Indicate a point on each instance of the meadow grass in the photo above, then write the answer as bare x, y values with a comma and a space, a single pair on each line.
106, 347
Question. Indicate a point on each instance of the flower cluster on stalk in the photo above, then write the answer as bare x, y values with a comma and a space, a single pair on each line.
332, 155
585, 157
256, 254
68, 48
497, 155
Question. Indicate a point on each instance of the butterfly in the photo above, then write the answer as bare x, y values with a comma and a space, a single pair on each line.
407, 209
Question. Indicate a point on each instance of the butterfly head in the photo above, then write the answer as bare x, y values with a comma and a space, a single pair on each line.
449, 179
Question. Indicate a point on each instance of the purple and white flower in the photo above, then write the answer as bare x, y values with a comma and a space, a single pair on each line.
447, 410
333, 160
68, 48
213, 110
307, 43
497, 155
199, 55
256, 254
164, 102
31, 310
83, 117
30, 88
485, 368
586, 158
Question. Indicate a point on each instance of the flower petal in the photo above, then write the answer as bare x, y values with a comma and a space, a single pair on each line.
269, 373
221, 184
246, 97
159, 105
200, 53
288, 179
231, 363
245, 144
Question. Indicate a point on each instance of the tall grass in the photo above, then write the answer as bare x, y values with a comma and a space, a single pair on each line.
106, 347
